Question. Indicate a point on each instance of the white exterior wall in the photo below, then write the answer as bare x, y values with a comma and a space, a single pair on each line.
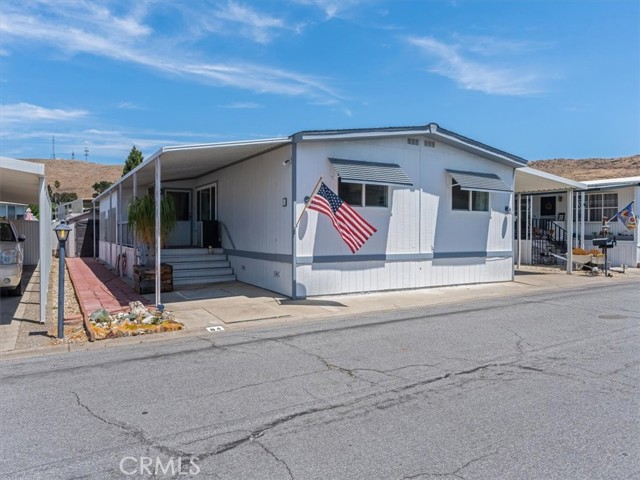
107, 248
420, 241
625, 196
31, 246
249, 203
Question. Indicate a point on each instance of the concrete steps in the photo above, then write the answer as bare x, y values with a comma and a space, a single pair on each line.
194, 266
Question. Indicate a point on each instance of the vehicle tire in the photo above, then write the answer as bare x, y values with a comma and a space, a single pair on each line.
17, 292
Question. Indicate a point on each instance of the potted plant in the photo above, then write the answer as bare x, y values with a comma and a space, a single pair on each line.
141, 214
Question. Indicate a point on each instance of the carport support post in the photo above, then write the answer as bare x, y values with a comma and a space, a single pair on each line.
294, 202
134, 196
569, 217
119, 231
157, 202
519, 227
582, 215
44, 227
93, 219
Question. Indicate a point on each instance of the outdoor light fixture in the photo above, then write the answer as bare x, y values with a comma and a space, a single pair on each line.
62, 232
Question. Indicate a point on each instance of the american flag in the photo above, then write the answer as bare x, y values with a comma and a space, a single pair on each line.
353, 229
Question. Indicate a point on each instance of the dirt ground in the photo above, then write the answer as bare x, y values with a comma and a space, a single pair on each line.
590, 169
34, 334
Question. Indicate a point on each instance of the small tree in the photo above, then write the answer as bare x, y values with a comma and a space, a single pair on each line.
141, 215
58, 197
100, 187
134, 159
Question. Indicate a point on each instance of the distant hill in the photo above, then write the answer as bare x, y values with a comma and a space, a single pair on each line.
78, 176
591, 168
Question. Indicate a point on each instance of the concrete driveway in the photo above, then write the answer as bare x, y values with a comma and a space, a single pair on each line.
10, 313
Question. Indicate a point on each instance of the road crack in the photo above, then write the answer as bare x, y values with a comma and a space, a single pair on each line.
455, 473
331, 366
277, 459
136, 433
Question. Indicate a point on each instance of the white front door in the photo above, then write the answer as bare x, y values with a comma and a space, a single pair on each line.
181, 235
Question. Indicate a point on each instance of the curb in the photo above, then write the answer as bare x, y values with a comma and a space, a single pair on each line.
523, 289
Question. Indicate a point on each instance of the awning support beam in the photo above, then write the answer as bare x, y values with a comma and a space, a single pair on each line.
158, 245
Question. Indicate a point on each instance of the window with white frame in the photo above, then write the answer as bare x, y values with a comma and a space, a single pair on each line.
599, 205
468, 200
363, 194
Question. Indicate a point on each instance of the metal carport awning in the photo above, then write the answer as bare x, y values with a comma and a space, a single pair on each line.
24, 182
529, 181
354, 171
480, 182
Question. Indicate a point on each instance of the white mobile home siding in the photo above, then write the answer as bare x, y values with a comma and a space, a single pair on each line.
107, 248
255, 226
627, 250
420, 241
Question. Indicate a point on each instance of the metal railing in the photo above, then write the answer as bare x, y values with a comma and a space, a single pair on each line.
547, 238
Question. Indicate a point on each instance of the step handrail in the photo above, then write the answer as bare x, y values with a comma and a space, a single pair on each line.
226, 230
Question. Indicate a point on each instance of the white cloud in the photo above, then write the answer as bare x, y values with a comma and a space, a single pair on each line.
256, 25
129, 106
102, 143
455, 63
491, 46
334, 8
84, 28
28, 113
242, 105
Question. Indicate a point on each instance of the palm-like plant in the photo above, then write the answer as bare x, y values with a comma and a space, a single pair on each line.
141, 213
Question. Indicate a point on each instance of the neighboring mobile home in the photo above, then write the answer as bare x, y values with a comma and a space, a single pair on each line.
604, 198
441, 204
547, 213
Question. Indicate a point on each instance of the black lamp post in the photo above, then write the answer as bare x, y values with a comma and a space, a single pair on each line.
62, 232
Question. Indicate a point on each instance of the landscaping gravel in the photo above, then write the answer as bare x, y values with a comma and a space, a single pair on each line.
34, 334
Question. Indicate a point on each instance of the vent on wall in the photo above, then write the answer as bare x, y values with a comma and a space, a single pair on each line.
413, 141
430, 143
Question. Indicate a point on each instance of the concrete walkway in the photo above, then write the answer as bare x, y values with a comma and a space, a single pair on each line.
236, 305
98, 288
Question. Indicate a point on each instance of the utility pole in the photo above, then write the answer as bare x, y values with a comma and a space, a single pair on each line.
86, 154
53, 147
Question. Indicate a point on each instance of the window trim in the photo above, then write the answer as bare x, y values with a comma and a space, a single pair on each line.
363, 194
587, 209
469, 193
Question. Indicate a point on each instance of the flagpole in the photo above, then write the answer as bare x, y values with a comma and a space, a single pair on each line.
313, 192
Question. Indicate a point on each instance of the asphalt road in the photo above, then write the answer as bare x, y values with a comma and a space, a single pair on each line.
539, 387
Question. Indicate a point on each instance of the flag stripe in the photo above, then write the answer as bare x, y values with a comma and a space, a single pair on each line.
352, 227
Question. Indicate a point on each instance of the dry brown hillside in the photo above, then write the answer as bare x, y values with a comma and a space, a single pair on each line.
77, 176
591, 168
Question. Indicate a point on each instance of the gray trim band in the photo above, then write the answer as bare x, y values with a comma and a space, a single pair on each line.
270, 257
392, 257
398, 257
485, 254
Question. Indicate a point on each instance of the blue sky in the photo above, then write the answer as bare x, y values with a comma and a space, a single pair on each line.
540, 79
